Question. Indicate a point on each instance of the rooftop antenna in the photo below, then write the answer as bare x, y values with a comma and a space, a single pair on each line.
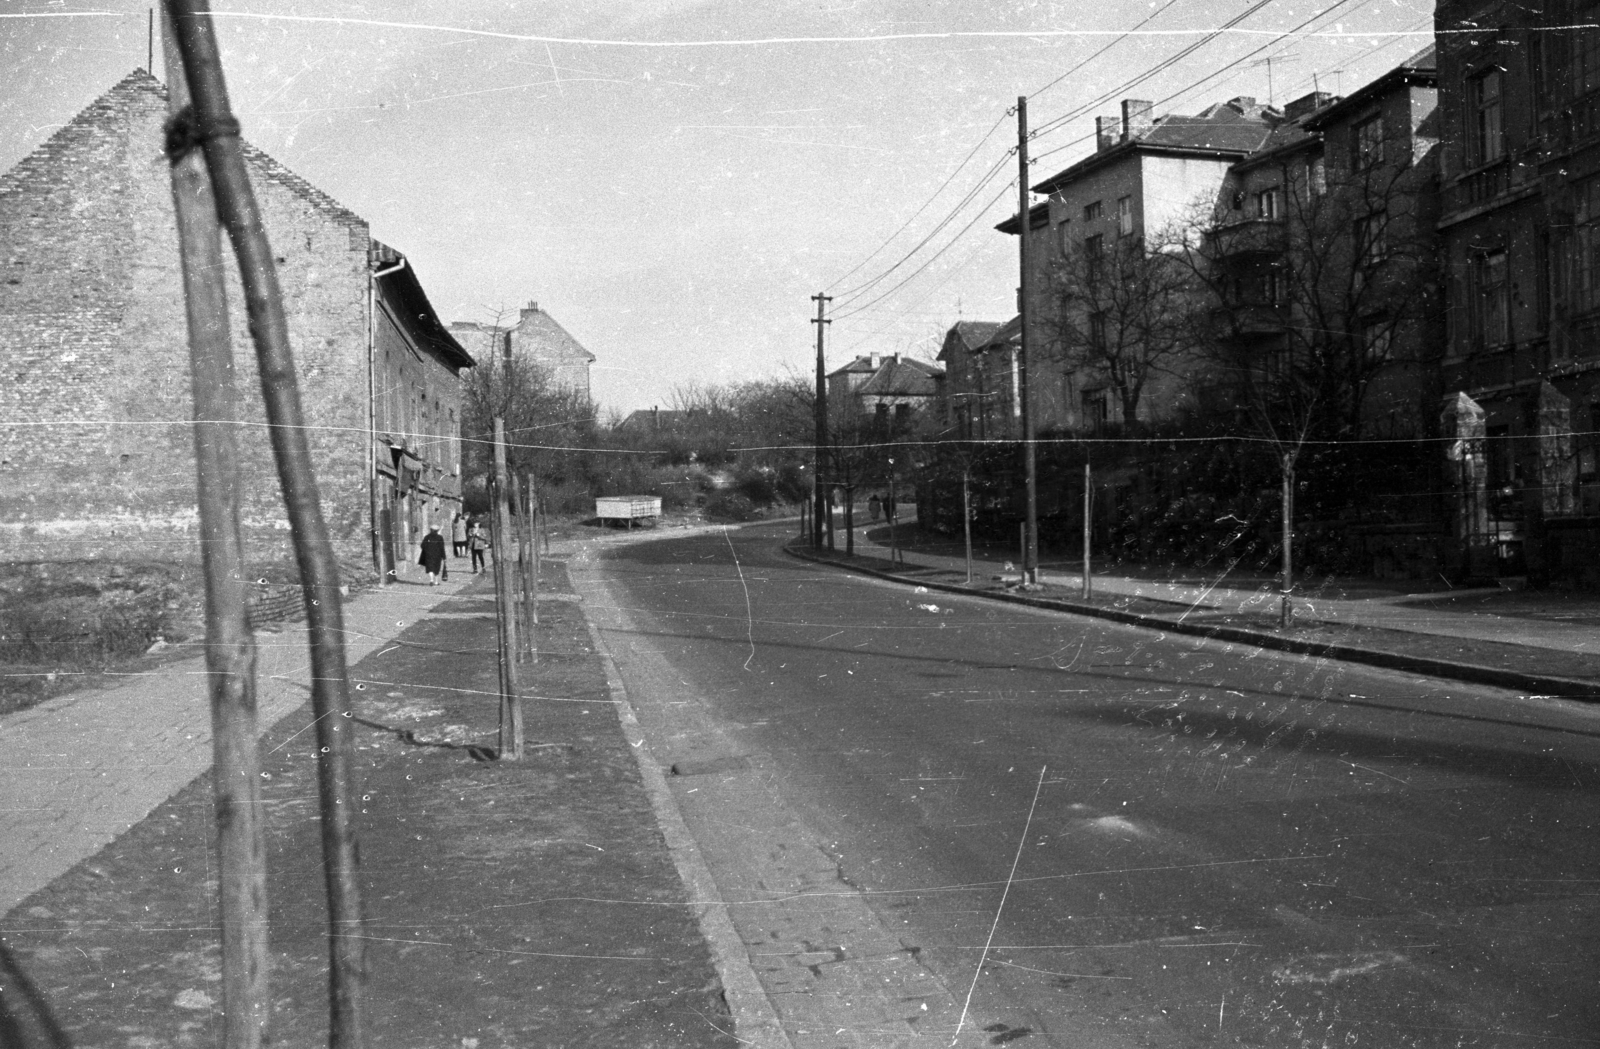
150, 44
1268, 63
1317, 87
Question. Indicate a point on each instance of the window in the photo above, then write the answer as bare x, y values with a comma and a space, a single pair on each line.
1124, 216
1094, 409
1093, 256
1097, 330
1371, 243
1316, 176
1267, 204
1486, 136
1062, 243
1585, 60
1490, 300
1377, 340
1093, 212
1585, 255
1366, 142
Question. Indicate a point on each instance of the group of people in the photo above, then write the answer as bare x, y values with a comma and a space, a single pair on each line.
467, 535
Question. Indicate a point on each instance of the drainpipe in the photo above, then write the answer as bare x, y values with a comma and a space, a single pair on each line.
372, 411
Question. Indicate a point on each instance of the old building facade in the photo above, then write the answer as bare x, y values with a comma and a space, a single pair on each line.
536, 338
95, 436
1520, 180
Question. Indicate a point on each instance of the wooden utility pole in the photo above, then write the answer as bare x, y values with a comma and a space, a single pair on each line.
820, 496
500, 550
213, 127
966, 516
1286, 612
522, 495
1030, 545
1088, 521
230, 646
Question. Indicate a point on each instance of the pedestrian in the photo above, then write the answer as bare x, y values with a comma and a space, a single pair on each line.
432, 559
458, 535
874, 507
477, 543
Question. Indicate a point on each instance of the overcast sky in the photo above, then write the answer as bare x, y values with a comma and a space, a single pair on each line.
673, 179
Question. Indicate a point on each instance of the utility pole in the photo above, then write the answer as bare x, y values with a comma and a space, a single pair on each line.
1030, 551
500, 536
819, 490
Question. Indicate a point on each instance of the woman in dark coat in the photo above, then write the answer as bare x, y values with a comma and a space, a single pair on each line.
432, 559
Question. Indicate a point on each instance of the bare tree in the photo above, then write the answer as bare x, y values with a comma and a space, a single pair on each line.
549, 427
1311, 304
1123, 313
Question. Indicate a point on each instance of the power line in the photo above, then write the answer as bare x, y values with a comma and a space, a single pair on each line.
948, 179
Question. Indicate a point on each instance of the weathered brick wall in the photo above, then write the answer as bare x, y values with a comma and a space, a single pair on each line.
96, 452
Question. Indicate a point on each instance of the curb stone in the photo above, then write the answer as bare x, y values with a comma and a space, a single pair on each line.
1560, 687
754, 1019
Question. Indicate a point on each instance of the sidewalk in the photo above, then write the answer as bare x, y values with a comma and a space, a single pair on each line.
80, 769
505, 903
1543, 643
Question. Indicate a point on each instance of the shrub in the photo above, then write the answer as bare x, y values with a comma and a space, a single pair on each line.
730, 505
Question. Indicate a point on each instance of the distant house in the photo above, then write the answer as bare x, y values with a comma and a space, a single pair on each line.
537, 338
96, 446
652, 421
885, 389
981, 392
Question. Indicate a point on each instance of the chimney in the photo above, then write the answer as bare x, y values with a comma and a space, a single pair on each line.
1243, 103
873, 359
532, 307
1105, 132
1307, 104
1136, 118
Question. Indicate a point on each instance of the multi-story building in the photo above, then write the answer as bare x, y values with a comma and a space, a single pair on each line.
1105, 338
1520, 231
96, 444
1322, 262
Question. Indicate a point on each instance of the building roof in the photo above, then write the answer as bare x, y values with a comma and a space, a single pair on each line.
1006, 335
1421, 69
972, 335
860, 364
412, 307
654, 419
902, 377
1233, 128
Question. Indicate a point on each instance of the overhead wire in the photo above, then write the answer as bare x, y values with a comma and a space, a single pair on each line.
988, 175
855, 294
934, 196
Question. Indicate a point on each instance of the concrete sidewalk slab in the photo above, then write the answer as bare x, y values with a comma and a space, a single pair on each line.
80, 769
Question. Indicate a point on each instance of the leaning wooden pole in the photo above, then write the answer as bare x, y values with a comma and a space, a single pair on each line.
500, 550
212, 126
230, 646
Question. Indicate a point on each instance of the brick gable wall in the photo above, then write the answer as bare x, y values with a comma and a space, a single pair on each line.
95, 444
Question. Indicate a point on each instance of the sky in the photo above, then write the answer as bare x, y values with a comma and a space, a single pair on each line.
672, 180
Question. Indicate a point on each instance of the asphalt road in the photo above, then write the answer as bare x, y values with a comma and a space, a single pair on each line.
1096, 835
